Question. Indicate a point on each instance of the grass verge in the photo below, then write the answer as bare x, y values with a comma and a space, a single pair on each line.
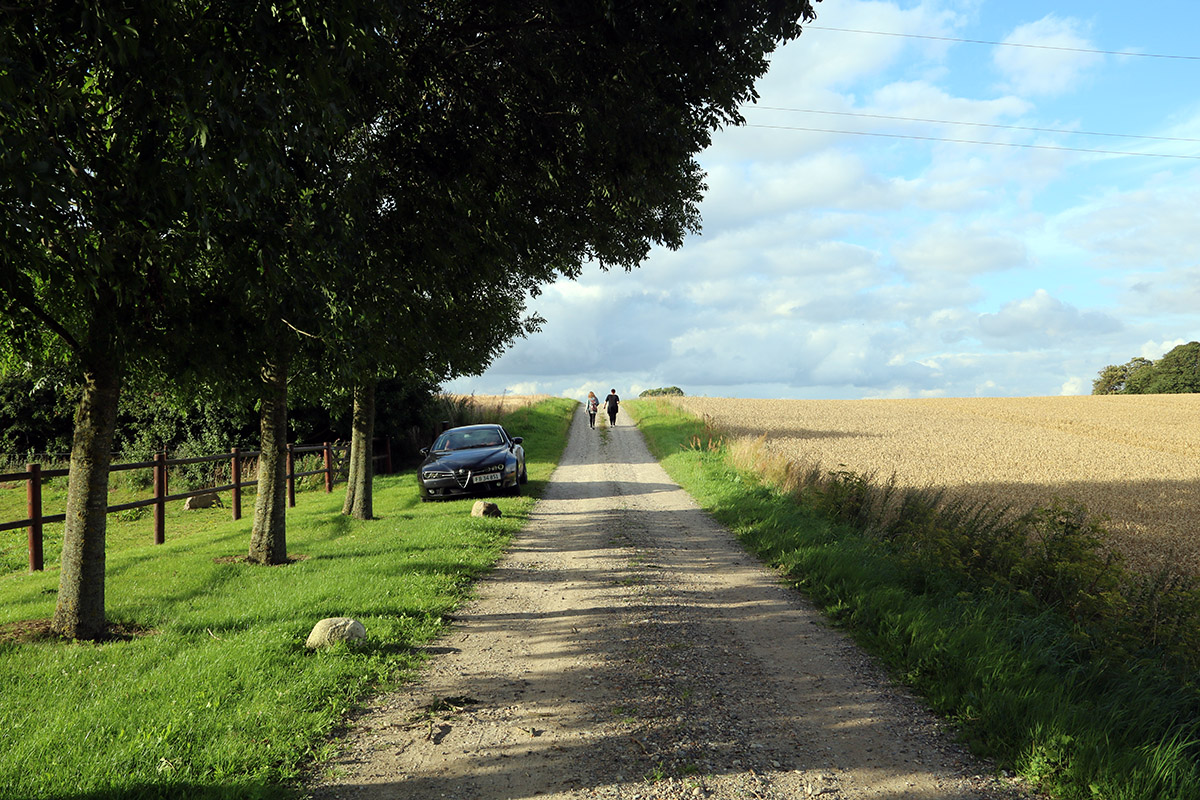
1027, 679
215, 696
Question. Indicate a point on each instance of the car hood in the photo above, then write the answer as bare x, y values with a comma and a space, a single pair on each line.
452, 460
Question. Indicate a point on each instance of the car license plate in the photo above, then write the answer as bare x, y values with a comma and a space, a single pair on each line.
491, 476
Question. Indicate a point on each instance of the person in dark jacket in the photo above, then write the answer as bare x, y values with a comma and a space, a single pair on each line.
610, 405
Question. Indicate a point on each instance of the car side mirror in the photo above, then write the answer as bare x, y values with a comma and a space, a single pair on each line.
424, 451
518, 439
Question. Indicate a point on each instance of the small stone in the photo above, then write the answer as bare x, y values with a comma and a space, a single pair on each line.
482, 508
206, 500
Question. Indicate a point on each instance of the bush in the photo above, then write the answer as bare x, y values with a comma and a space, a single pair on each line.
668, 391
37, 414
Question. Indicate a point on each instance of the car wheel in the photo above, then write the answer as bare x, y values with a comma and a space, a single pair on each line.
524, 475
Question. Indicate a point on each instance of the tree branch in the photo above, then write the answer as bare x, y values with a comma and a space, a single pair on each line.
23, 299
302, 333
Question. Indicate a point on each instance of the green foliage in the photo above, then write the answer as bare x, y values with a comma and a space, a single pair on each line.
1066, 567
36, 417
36, 413
1114, 378
666, 391
1177, 372
1054, 559
1049, 655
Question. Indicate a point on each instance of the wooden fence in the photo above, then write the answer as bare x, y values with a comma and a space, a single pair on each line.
34, 475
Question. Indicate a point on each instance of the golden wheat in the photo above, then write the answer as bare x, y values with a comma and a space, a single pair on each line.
1132, 458
499, 403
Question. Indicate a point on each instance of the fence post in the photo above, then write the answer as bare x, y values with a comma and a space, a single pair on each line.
160, 495
291, 477
328, 457
387, 444
33, 490
235, 477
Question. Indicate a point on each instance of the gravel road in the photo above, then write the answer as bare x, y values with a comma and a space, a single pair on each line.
627, 647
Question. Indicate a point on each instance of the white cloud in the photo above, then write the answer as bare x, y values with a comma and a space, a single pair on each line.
1040, 319
834, 265
922, 100
835, 59
1040, 71
1156, 350
1163, 294
948, 248
1075, 385
1152, 225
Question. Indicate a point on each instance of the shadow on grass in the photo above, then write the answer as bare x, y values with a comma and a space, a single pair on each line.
243, 790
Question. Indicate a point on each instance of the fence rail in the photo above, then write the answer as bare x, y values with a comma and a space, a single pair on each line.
34, 475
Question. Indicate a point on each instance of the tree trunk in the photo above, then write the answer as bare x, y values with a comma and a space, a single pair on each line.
79, 612
268, 539
362, 463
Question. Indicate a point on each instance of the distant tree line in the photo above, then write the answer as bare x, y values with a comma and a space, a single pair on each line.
1177, 372
665, 391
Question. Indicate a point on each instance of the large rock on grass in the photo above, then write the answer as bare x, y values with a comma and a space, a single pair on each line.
333, 630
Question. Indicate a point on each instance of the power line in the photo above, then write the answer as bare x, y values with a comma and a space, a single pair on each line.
972, 141
976, 124
1006, 44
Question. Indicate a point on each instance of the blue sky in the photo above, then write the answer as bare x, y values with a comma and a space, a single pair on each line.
839, 265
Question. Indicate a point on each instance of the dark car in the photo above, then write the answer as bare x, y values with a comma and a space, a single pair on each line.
472, 459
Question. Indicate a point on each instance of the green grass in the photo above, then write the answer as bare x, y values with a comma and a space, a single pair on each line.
1026, 684
221, 699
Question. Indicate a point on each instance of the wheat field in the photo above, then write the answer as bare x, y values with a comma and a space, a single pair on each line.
499, 403
1132, 458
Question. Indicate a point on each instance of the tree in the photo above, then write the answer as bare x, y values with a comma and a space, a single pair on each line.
538, 137
1117, 379
1176, 372
126, 134
167, 160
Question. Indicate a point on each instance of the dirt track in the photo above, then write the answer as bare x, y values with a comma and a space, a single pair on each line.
628, 648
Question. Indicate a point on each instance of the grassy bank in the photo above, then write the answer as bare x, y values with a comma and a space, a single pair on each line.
218, 698
1022, 636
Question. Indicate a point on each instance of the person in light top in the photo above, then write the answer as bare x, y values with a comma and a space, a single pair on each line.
593, 405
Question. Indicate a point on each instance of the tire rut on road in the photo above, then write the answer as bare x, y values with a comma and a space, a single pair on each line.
628, 647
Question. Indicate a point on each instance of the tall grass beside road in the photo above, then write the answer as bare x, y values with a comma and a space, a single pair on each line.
1049, 657
213, 694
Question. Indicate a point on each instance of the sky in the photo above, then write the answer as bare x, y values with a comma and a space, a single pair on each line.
859, 242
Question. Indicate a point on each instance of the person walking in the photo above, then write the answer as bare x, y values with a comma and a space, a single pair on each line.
610, 405
593, 405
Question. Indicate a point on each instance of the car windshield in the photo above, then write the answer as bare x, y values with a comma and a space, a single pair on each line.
465, 440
